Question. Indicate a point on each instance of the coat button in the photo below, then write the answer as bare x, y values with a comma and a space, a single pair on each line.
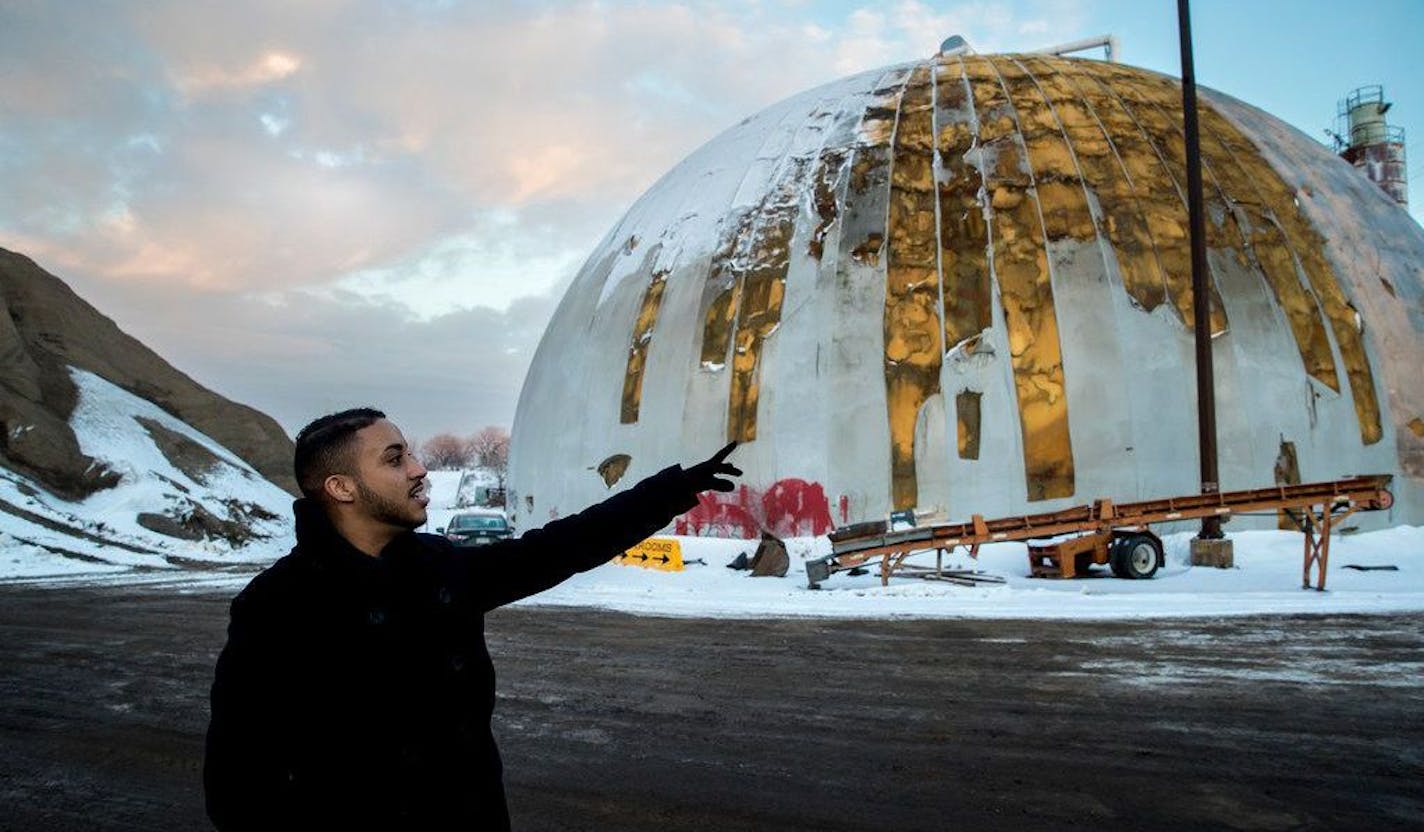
376, 616
443, 595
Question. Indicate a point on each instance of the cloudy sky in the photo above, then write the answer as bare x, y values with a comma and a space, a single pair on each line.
311, 204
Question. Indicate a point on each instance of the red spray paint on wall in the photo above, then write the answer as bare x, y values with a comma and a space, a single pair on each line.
790, 508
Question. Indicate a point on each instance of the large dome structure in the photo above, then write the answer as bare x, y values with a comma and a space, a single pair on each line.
962, 286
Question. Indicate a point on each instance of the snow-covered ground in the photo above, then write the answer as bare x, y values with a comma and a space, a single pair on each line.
1265, 580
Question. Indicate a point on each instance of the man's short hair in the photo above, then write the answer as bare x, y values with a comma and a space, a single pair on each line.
324, 447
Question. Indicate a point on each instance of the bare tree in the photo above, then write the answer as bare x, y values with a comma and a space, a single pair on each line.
445, 452
490, 448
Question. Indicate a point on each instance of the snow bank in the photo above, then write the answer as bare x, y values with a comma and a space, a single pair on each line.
1265, 580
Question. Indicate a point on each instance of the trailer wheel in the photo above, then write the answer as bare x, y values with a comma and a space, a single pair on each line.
1137, 556
1116, 556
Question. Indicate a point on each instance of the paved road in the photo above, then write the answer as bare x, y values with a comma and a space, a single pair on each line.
611, 722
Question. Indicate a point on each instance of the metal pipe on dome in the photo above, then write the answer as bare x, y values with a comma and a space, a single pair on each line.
1201, 320
1109, 43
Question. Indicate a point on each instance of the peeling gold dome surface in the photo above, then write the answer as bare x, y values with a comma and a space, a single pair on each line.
1009, 231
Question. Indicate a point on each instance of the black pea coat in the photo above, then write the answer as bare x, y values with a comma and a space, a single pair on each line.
355, 692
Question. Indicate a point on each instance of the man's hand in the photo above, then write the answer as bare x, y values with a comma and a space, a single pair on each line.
708, 476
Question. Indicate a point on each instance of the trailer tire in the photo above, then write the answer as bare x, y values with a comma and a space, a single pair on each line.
1137, 556
1116, 555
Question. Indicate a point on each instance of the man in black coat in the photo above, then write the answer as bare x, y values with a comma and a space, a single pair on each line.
355, 690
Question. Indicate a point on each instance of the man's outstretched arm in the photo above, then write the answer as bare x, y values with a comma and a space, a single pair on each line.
545, 557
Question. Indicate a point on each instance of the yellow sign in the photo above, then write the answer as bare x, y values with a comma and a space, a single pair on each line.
654, 553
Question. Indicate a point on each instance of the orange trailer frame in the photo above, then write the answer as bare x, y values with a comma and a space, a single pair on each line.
1318, 507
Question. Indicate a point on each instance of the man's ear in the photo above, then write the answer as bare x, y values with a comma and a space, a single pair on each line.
340, 488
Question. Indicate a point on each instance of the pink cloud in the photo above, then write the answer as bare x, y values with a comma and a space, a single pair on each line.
185, 163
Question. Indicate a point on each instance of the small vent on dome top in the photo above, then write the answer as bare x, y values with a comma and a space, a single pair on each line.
955, 45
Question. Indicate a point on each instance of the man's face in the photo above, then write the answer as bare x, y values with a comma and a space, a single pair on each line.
390, 482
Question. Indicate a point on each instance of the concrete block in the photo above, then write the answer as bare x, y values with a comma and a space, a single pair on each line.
1216, 553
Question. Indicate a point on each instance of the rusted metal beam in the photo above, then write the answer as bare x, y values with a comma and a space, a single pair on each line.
855, 545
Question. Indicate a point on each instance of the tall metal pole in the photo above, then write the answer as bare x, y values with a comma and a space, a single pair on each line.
1201, 312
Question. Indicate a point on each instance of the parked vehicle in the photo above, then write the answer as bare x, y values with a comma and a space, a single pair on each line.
477, 527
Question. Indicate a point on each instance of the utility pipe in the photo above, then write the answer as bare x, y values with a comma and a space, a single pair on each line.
1201, 310
1107, 42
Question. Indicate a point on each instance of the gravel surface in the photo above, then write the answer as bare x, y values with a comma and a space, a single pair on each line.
614, 722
